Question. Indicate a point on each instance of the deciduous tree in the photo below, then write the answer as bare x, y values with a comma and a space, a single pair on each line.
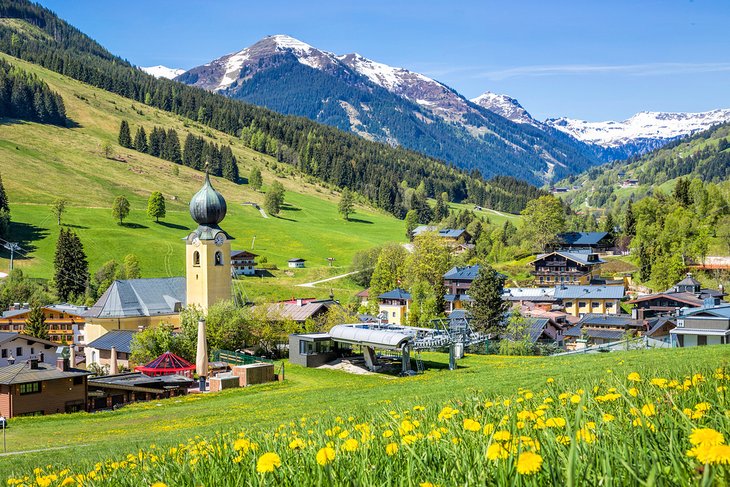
156, 206
120, 209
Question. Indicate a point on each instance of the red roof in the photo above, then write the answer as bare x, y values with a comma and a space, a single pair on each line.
167, 364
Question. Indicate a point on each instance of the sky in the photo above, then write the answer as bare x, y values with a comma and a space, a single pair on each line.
587, 59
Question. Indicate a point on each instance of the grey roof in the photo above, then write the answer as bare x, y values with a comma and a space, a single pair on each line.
297, 260
119, 339
581, 238
468, 273
7, 336
689, 281
589, 292
657, 323
396, 293
446, 232
597, 319
459, 314
63, 307
21, 373
450, 298
140, 297
535, 294
359, 335
606, 334
138, 379
299, 313
536, 327
207, 206
722, 311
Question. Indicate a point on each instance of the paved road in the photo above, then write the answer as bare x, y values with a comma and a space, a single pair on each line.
312, 284
39, 450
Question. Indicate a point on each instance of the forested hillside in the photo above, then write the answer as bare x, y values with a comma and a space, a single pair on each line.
705, 155
375, 170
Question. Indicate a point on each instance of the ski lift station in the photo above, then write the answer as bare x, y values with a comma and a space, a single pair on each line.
386, 340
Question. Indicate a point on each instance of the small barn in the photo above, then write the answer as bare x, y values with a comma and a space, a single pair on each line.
296, 263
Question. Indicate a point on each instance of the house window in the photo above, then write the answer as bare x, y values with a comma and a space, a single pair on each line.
196, 258
609, 305
596, 304
581, 304
32, 350
78, 380
568, 304
701, 340
219, 258
30, 388
18, 351
3, 353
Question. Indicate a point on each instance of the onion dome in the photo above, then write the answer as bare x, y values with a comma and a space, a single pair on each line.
208, 207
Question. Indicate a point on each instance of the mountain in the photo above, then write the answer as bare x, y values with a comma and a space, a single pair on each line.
641, 133
391, 105
163, 71
505, 106
704, 155
382, 175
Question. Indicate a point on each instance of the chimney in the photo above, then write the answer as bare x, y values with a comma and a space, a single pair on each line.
33, 363
62, 364
300, 302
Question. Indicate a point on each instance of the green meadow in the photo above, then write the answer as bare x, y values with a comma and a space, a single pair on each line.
84, 438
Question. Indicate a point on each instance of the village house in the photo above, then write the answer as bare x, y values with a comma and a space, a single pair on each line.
582, 300
394, 306
452, 236
32, 388
16, 347
561, 267
300, 310
457, 282
101, 350
538, 297
596, 242
243, 262
597, 329
687, 293
296, 263
65, 321
708, 325
363, 297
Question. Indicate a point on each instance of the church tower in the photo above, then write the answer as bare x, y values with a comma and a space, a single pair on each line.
208, 250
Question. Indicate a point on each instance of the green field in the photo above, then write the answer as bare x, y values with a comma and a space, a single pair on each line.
39, 163
86, 438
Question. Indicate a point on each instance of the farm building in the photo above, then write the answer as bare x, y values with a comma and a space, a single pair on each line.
296, 263
243, 262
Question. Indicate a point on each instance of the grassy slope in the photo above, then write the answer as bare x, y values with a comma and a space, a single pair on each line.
315, 393
39, 163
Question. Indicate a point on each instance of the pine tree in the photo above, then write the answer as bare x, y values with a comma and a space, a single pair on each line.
35, 324
120, 209
682, 193
411, 223
487, 306
157, 141
140, 140
171, 147
629, 220
347, 204
255, 179
156, 206
229, 166
125, 138
71, 266
4, 205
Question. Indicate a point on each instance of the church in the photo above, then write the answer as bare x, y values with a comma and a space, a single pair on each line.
135, 304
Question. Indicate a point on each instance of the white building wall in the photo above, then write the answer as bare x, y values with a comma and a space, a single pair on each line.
10, 349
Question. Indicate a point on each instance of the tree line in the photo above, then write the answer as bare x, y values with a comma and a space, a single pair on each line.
197, 153
25, 97
338, 158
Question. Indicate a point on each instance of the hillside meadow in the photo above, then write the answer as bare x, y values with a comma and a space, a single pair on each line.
621, 417
40, 163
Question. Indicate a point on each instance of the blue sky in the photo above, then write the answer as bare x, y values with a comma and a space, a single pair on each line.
589, 59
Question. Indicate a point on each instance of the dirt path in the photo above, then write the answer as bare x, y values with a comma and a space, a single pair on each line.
312, 284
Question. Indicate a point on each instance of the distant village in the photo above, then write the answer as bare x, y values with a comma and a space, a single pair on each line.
570, 308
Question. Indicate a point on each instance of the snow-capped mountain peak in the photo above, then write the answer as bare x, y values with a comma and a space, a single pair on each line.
391, 78
642, 126
160, 71
505, 106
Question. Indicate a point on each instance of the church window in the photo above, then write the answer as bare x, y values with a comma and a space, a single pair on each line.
196, 258
219, 258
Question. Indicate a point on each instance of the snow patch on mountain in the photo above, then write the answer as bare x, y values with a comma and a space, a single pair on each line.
160, 71
505, 106
642, 126
391, 78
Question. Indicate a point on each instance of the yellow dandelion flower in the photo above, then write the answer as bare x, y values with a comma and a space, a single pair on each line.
529, 463
584, 434
406, 427
350, 445
387, 433
409, 439
325, 456
634, 377
488, 428
706, 436
297, 444
634, 391
648, 410
659, 382
555, 422
418, 408
607, 418
344, 434
702, 407
471, 425
268, 462
563, 439
550, 380
496, 451
502, 436
391, 449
